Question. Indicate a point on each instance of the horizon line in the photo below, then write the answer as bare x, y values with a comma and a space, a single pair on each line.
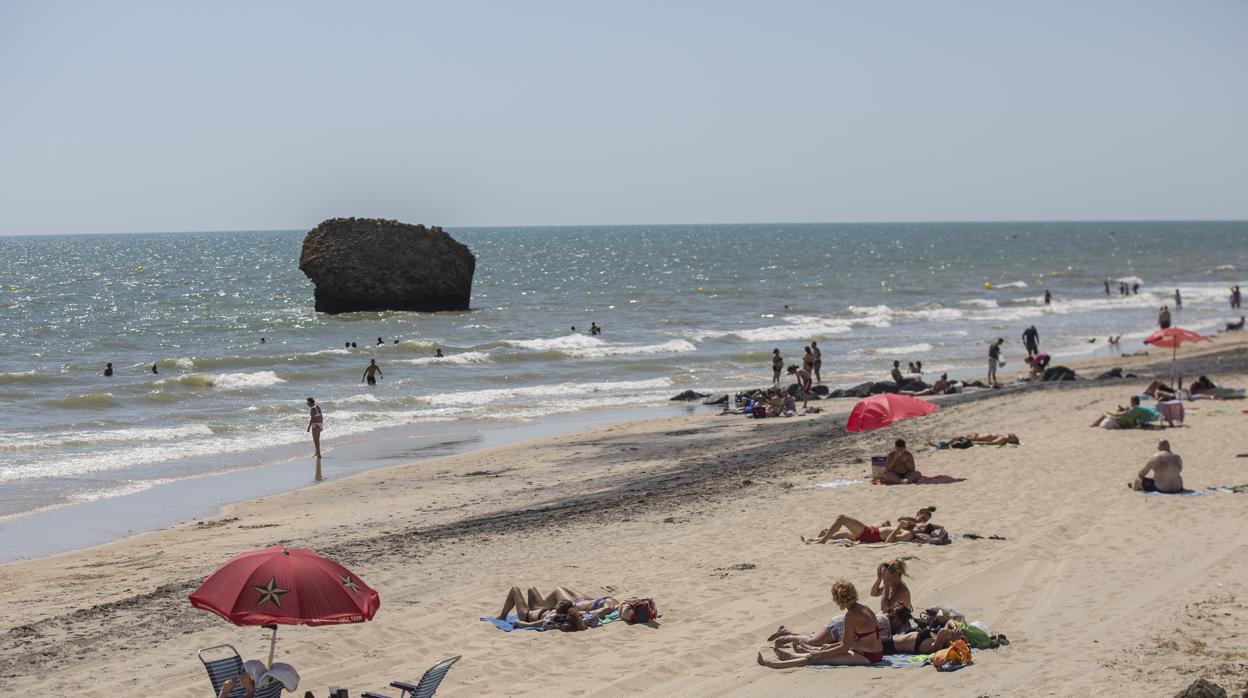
638, 225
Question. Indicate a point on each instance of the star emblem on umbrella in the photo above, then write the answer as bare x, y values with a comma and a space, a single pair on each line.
270, 592
349, 583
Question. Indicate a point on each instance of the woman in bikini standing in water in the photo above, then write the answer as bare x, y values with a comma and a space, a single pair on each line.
316, 422
860, 643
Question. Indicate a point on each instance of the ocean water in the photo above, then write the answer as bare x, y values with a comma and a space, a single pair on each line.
680, 306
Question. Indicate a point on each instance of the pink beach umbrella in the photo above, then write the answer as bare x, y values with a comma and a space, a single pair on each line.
881, 410
1172, 338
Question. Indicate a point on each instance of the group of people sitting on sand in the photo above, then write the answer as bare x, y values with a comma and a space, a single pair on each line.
848, 530
569, 610
861, 636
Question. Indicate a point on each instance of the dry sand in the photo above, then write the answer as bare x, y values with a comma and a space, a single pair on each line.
1102, 591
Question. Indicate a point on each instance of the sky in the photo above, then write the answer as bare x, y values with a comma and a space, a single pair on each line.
162, 116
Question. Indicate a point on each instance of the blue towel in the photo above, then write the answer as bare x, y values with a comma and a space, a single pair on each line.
509, 624
1184, 493
890, 661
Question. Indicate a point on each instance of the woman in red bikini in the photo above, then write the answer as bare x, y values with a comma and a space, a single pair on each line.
851, 529
860, 643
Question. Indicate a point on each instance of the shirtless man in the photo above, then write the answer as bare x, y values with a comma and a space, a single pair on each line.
1166, 467
899, 466
814, 347
108, 370
896, 373
316, 422
372, 373
777, 365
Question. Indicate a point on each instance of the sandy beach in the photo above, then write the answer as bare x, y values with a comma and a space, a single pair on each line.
1101, 590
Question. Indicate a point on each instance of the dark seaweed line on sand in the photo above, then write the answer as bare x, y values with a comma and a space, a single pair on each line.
166, 612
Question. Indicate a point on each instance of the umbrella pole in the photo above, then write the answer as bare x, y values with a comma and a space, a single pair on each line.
272, 646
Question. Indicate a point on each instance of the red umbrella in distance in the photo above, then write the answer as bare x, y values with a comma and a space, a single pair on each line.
1172, 338
881, 410
290, 586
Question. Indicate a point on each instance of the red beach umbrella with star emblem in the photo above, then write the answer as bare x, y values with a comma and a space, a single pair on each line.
290, 586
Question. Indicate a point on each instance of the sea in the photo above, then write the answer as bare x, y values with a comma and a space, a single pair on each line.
681, 307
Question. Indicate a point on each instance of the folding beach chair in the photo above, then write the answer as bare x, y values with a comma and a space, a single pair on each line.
427, 686
227, 667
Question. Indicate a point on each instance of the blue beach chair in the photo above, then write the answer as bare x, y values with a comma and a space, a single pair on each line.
227, 667
427, 686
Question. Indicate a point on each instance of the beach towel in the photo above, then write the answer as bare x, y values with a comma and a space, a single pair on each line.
928, 480
510, 624
1184, 493
836, 483
1231, 489
890, 661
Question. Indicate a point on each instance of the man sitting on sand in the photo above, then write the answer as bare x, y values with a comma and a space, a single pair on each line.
1166, 468
899, 466
896, 373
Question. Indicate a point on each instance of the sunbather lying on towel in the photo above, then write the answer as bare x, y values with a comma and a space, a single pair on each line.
990, 439
861, 644
1160, 391
581, 601
851, 529
562, 617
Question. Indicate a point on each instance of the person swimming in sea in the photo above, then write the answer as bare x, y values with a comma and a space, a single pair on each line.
438, 354
263, 340
154, 371
108, 370
594, 329
372, 372
380, 341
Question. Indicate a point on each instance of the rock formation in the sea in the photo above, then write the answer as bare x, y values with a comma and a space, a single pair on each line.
373, 264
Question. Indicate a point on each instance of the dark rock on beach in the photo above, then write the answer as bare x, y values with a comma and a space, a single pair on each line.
688, 395
372, 264
721, 400
821, 390
1202, 688
1111, 373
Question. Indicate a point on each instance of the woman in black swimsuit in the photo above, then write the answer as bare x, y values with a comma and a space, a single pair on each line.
561, 617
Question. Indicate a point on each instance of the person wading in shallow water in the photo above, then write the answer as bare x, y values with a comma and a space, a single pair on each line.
316, 422
372, 373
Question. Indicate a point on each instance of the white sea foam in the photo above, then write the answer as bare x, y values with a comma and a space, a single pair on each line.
541, 392
586, 347
224, 381
29, 441
905, 349
1011, 284
467, 357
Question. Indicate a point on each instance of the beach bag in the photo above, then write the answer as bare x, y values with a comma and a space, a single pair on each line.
975, 636
877, 467
957, 654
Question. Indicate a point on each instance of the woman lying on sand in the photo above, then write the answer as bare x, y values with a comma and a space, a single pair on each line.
580, 600
922, 641
858, 532
940, 387
562, 617
861, 644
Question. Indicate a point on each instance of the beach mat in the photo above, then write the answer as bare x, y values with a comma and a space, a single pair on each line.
928, 480
1184, 493
890, 661
836, 483
1231, 489
509, 624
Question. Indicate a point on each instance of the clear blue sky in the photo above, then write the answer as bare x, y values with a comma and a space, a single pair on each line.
145, 116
